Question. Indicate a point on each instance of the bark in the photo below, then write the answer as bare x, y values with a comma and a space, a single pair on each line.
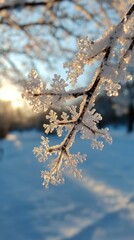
130, 117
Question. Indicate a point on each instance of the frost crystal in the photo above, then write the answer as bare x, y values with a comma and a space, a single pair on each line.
112, 88
115, 51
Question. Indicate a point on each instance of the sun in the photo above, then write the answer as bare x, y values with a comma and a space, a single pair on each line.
11, 93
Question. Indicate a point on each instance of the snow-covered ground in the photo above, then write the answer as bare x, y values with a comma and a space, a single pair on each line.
100, 207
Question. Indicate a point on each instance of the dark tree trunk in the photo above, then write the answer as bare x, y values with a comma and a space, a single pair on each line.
130, 117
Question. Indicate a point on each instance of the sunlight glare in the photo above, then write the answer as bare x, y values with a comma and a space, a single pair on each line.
11, 93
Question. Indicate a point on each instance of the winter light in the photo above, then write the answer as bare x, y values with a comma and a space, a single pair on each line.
11, 93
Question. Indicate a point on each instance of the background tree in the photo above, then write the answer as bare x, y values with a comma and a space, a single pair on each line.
36, 33
124, 104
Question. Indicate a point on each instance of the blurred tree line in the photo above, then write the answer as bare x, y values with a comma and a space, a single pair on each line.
37, 34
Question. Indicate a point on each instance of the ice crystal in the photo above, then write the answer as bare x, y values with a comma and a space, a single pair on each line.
58, 84
115, 51
112, 88
73, 111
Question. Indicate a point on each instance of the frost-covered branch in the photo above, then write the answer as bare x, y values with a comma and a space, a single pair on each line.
115, 52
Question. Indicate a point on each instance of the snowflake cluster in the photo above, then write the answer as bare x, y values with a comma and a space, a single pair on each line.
115, 52
112, 88
40, 97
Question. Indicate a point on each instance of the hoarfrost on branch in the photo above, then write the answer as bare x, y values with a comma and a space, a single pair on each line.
114, 51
